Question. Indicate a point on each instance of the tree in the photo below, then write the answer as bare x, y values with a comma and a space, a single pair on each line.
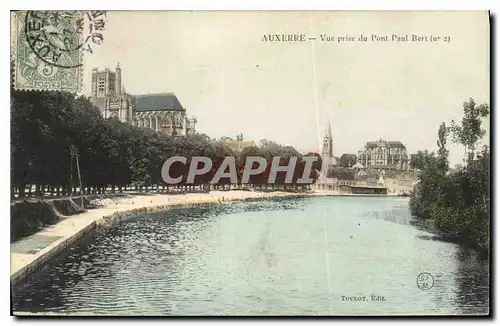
457, 168
420, 159
458, 202
316, 166
432, 170
347, 160
272, 149
463, 209
468, 133
442, 151
112, 154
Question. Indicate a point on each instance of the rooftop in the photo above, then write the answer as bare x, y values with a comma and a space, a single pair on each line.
358, 166
385, 143
241, 143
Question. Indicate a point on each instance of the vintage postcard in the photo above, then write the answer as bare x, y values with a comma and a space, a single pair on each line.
250, 163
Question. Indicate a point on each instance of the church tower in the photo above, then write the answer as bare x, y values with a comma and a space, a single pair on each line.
118, 79
327, 145
95, 75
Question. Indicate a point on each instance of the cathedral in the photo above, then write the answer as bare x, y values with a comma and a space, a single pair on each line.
327, 146
159, 112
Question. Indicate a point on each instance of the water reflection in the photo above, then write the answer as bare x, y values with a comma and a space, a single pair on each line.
472, 277
288, 256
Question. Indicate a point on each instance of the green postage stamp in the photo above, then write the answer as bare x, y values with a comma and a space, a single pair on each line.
46, 50
47, 47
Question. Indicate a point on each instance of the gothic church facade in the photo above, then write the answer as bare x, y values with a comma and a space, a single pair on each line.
159, 112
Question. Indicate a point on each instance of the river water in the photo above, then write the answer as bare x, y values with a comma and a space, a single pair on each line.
303, 256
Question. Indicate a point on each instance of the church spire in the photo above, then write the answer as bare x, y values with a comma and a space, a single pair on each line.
327, 146
328, 129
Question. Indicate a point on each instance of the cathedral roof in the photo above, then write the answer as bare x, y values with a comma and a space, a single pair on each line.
384, 143
396, 144
156, 102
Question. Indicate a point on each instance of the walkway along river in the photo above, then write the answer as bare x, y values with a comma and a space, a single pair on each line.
298, 256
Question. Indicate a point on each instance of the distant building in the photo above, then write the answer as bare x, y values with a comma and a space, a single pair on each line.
327, 146
357, 166
159, 112
326, 152
239, 145
162, 113
384, 155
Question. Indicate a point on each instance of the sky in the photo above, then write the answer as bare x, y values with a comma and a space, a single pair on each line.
233, 81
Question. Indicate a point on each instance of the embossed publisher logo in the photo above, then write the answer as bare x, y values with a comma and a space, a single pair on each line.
425, 281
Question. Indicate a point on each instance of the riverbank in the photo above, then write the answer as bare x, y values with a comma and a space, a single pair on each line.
32, 252
232, 259
429, 225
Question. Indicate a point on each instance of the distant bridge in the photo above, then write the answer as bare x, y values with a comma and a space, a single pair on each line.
389, 186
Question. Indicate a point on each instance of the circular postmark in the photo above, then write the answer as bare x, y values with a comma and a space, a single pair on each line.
425, 281
57, 37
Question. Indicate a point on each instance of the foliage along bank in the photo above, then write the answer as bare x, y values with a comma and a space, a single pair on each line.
111, 154
457, 202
